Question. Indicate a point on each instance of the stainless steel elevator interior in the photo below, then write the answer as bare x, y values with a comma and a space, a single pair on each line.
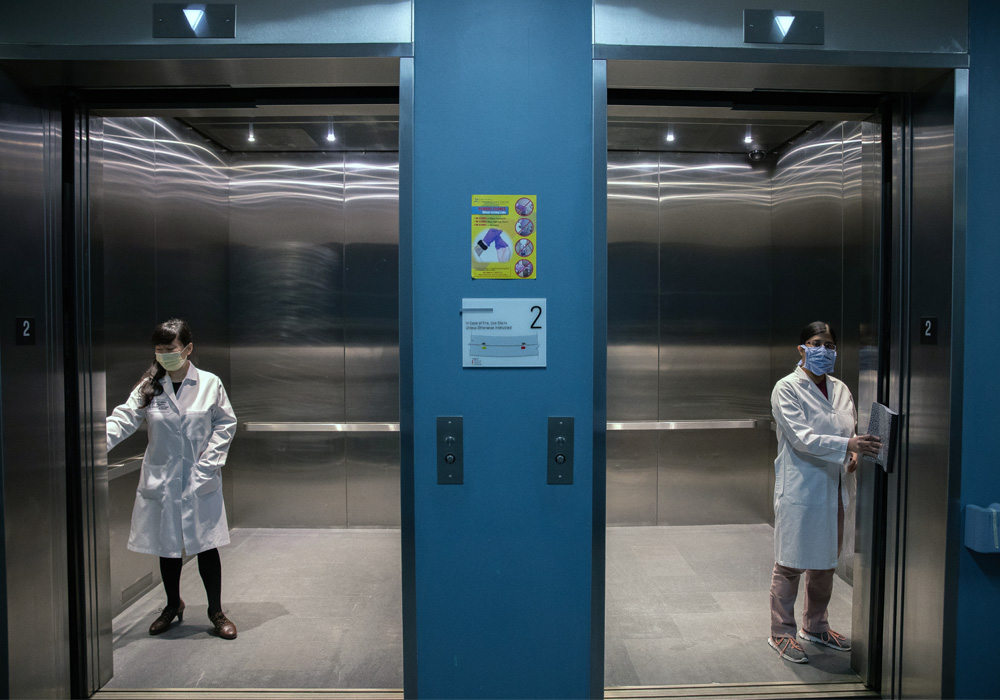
727, 232
282, 253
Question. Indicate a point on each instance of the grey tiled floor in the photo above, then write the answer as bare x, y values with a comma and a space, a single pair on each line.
321, 609
689, 605
314, 609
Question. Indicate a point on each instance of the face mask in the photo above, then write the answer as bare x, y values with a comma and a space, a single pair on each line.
171, 361
819, 360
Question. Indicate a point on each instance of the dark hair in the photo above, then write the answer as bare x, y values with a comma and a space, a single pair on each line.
163, 334
815, 328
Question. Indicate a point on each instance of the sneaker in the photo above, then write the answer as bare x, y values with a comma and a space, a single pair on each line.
788, 649
831, 639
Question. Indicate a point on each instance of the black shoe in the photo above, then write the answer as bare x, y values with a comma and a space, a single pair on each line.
167, 615
223, 625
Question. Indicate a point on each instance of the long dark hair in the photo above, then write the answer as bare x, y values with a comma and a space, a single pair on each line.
163, 334
815, 328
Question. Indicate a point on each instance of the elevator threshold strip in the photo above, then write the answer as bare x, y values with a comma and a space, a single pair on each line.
246, 694
792, 690
746, 691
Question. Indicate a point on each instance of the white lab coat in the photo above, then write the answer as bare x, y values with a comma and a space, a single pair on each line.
178, 505
813, 433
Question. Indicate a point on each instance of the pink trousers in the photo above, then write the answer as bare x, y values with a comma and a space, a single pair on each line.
819, 588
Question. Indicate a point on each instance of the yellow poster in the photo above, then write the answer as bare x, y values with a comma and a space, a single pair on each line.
504, 241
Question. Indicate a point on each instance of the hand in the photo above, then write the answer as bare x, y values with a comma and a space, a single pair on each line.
865, 445
852, 462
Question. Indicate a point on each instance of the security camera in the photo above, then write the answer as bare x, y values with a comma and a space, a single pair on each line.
757, 155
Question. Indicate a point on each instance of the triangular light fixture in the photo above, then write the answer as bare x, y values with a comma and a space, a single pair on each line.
784, 24
194, 18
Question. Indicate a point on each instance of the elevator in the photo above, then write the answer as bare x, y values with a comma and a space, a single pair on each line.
727, 228
275, 236
145, 208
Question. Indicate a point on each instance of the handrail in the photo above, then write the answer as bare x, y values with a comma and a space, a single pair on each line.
306, 427
361, 427
741, 424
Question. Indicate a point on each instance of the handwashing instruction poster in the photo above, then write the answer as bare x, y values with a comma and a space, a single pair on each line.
504, 236
503, 332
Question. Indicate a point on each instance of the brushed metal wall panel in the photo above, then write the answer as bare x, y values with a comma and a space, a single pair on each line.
869, 482
289, 480
286, 235
857, 285
32, 412
927, 482
129, 570
632, 476
371, 287
372, 465
633, 286
192, 239
715, 259
713, 477
371, 335
807, 223
123, 192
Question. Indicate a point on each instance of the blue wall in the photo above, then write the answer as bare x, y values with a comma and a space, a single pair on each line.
977, 648
503, 562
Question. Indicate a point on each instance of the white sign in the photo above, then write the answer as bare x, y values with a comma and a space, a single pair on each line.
503, 332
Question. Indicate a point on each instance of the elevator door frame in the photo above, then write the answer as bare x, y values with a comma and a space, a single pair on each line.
811, 102
90, 605
882, 667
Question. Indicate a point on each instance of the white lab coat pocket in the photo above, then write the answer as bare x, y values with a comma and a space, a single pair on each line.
151, 480
804, 483
206, 481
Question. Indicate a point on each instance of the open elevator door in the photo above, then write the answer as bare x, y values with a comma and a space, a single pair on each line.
332, 327
753, 213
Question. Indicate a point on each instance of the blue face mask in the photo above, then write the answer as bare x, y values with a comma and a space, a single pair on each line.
819, 360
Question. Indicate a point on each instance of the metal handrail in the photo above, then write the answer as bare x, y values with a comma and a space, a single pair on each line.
360, 427
740, 424
307, 427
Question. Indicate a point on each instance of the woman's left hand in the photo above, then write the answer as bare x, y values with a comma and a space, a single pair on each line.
852, 461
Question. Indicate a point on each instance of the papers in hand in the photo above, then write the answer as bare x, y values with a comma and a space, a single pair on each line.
883, 423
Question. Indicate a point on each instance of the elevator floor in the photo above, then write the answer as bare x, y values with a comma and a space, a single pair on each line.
314, 609
321, 609
689, 605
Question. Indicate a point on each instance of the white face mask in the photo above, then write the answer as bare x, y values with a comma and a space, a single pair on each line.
171, 361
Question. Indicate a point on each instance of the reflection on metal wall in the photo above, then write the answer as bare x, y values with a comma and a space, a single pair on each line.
314, 239
31, 416
159, 198
688, 335
746, 256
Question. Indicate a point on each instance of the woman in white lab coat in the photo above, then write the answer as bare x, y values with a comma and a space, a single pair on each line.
178, 505
816, 421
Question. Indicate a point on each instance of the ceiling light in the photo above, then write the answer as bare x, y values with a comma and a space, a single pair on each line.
330, 136
670, 137
250, 136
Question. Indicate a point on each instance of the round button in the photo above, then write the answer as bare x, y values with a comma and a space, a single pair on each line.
450, 440
449, 458
560, 459
560, 441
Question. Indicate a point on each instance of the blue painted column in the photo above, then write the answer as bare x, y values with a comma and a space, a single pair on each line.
499, 603
977, 647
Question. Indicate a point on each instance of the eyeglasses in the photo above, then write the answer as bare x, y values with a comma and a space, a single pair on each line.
820, 344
